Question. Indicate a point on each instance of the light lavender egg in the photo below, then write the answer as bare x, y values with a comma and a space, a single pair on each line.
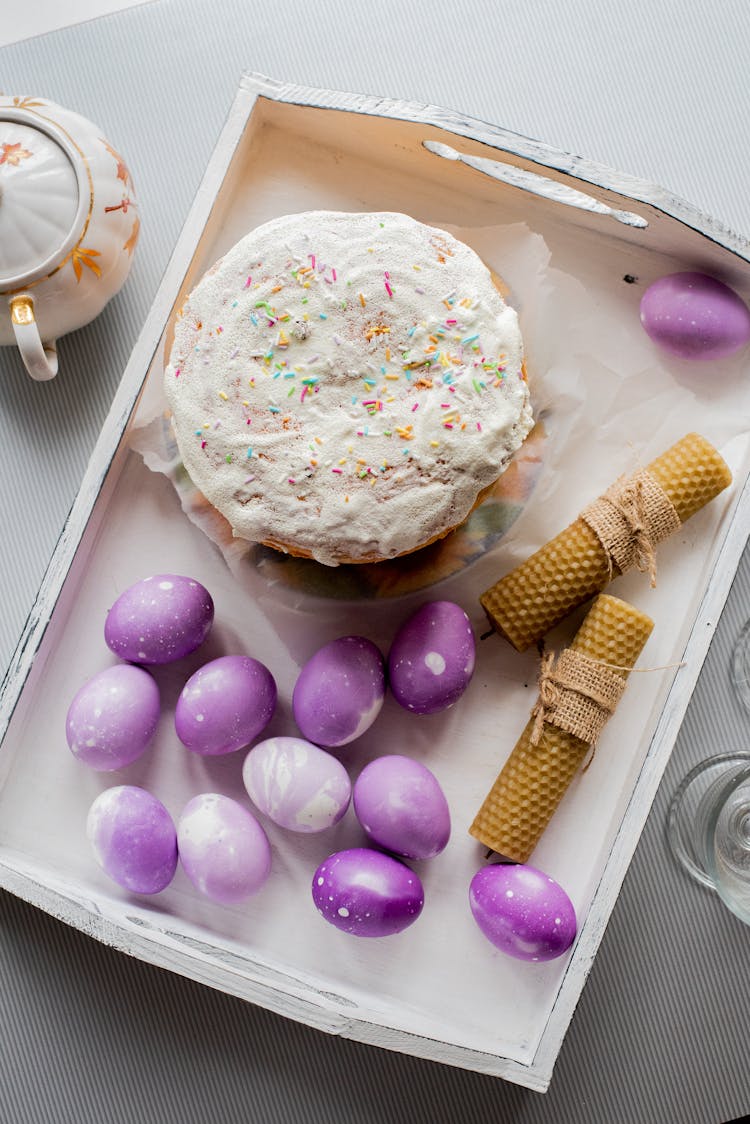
159, 619
432, 657
224, 850
113, 717
224, 705
133, 838
695, 316
402, 808
367, 893
522, 911
296, 784
339, 692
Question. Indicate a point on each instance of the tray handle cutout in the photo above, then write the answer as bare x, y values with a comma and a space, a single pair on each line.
531, 181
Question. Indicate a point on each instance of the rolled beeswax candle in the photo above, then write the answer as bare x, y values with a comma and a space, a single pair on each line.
530, 600
535, 777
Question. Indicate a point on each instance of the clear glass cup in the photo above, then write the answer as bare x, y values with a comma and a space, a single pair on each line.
708, 828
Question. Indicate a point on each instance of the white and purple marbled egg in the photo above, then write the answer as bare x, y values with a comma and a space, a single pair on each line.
159, 619
113, 717
223, 849
431, 660
522, 911
695, 316
340, 691
224, 705
296, 784
402, 808
133, 838
367, 893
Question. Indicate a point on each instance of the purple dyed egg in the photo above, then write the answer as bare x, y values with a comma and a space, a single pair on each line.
367, 893
522, 911
224, 705
133, 838
296, 784
223, 849
402, 807
159, 619
432, 658
695, 316
339, 692
113, 717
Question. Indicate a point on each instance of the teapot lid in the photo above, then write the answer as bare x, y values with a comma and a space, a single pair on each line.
44, 198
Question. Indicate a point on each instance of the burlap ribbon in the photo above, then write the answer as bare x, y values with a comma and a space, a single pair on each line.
576, 694
630, 519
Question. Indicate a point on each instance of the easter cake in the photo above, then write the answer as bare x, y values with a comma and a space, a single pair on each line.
347, 387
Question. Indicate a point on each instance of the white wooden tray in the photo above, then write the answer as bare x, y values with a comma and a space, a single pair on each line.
439, 990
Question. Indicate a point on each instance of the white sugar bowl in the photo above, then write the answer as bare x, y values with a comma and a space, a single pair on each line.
68, 226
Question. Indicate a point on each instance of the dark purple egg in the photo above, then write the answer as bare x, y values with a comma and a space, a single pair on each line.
159, 619
339, 692
367, 893
522, 911
224, 850
113, 717
695, 316
402, 807
134, 839
224, 705
432, 658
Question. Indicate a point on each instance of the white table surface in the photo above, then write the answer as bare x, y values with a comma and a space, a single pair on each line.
659, 90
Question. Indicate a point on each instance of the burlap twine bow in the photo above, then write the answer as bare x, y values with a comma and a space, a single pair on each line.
577, 694
630, 519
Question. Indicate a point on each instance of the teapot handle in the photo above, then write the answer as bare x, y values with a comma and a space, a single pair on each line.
39, 359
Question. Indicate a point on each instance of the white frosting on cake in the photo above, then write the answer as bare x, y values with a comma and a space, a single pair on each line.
344, 385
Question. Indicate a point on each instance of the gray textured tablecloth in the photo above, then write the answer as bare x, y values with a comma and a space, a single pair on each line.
88, 1035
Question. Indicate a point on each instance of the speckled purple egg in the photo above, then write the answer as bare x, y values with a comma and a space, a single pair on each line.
223, 849
296, 784
402, 807
159, 619
522, 911
113, 717
695, 316
367, 893
339, 692
133, 838
431, 660
224, 705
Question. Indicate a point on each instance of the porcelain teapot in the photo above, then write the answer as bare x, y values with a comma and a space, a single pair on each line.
68, 226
